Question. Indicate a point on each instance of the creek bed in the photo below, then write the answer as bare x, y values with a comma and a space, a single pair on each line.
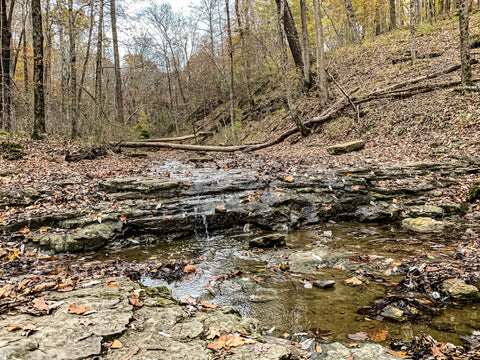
285, 302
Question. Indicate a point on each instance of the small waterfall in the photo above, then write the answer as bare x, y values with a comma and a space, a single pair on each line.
205, 223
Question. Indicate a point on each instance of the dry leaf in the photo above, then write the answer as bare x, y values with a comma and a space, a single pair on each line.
190, 269
219, 344
78, 310
13, 328
135, 302
359, 336
256, 279
318, 349
354, 281
25, 230
289, 179
213, 332
378, 336
122, 218
113, 285
400, 354
209, 305
116, 344
4, 343
40, 304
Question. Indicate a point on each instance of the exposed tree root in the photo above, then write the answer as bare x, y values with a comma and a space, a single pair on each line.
396, 90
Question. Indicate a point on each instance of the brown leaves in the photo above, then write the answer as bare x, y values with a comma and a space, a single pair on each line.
135, 302
289, 179
40, 304
213, 332
190, 269
81, 310
378, 336
359, 336
209, 305
354, 281
229, 341
116, 344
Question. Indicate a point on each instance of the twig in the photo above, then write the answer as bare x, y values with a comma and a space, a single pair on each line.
355, 107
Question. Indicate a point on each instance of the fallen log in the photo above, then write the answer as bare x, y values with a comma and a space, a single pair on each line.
394, 90
178, 138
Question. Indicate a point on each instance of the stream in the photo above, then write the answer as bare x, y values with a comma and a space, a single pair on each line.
232, 273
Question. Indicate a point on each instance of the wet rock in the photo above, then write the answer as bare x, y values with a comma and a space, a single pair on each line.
393, 313
324, 284
431, 211
422, 224
141, 188
261, 351
458, 290
365, 351
268, 241
346, 147
16, 197
221, 209
474, 193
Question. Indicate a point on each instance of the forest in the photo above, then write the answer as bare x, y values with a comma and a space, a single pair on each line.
244, 179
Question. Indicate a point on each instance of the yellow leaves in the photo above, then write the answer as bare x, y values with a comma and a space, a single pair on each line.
289, 179
229, 341
25, 231
44, 229
213, 332
378, 336
14, 255
209, 305
400, 354
354, 281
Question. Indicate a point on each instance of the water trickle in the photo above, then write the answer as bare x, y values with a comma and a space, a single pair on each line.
205, 223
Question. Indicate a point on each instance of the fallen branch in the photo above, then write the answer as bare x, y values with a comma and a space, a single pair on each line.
394, 90
178, 138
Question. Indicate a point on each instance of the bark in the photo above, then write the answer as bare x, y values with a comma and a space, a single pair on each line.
291, 33
291, 105
24, 51
465, 43
179, 138
307, 74
230, 56
413, 29
48, 48
5, 63
118, 76
98, 66
38, 65
87, 55
393, 16
321, 75
352, 21
72, 108
244, 33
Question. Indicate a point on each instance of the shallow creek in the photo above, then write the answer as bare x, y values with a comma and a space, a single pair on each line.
285, 301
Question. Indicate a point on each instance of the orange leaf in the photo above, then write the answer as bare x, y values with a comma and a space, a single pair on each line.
40, 304
116, 344
209, 305
25, 230
400, 354
112, 279
213, 332
378, 336
190, 269
256, 279
78, 310
13, 328
113, 285
318, 349
219, 344
122, 218
136, 302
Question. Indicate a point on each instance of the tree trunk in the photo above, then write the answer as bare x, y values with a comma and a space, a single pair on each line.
230, 56
72, 108
87, 55
291, 105
118, 75
413, 26
321, 75
48, 49
26, 78
307, 74
352, 21
38, 91
393, 16
291, 33
6, 81
465, 43
98, 68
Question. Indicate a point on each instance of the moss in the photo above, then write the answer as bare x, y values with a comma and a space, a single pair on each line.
11, 150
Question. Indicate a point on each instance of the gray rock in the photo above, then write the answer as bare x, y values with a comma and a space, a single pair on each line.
344, 148
324, 284
365, 351
393, 313
422, 224
268, 241
141, 188
221, 209
458, 290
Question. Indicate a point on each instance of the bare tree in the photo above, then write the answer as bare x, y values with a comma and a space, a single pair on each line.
72, 101
6, 13
230, 56
413, 29
38, 65
321, 74
393, 15
116, 56
352, 21
465, 43
98, 65
307, 74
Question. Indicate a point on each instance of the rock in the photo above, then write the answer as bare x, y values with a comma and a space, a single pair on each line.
431, 211
365, 351
269, 241
422, 224
458, 290
344, 148
474, 193
393, 313
140, 188
221, 209
324, 284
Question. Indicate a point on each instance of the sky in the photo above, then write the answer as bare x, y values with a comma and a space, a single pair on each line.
177, 5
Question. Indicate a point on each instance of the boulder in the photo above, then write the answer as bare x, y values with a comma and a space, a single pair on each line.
474, 193
423, 224
324, 284
393, 313
344, 148
457, 289
140, 188
268, 241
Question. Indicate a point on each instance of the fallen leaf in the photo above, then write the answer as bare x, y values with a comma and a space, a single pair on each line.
13, 328
4, 343
359, 336
289, 179
209, 305
354, 281
44, 229
378, 336
40, 304
213, 332
257, 279
219, 344
116, 344
25, 230
86, 322
318, 349
113, 285
190, 269
78, 310
122, 218
135, 302
400, 354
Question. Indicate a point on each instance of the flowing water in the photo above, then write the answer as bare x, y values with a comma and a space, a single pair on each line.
286, 302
